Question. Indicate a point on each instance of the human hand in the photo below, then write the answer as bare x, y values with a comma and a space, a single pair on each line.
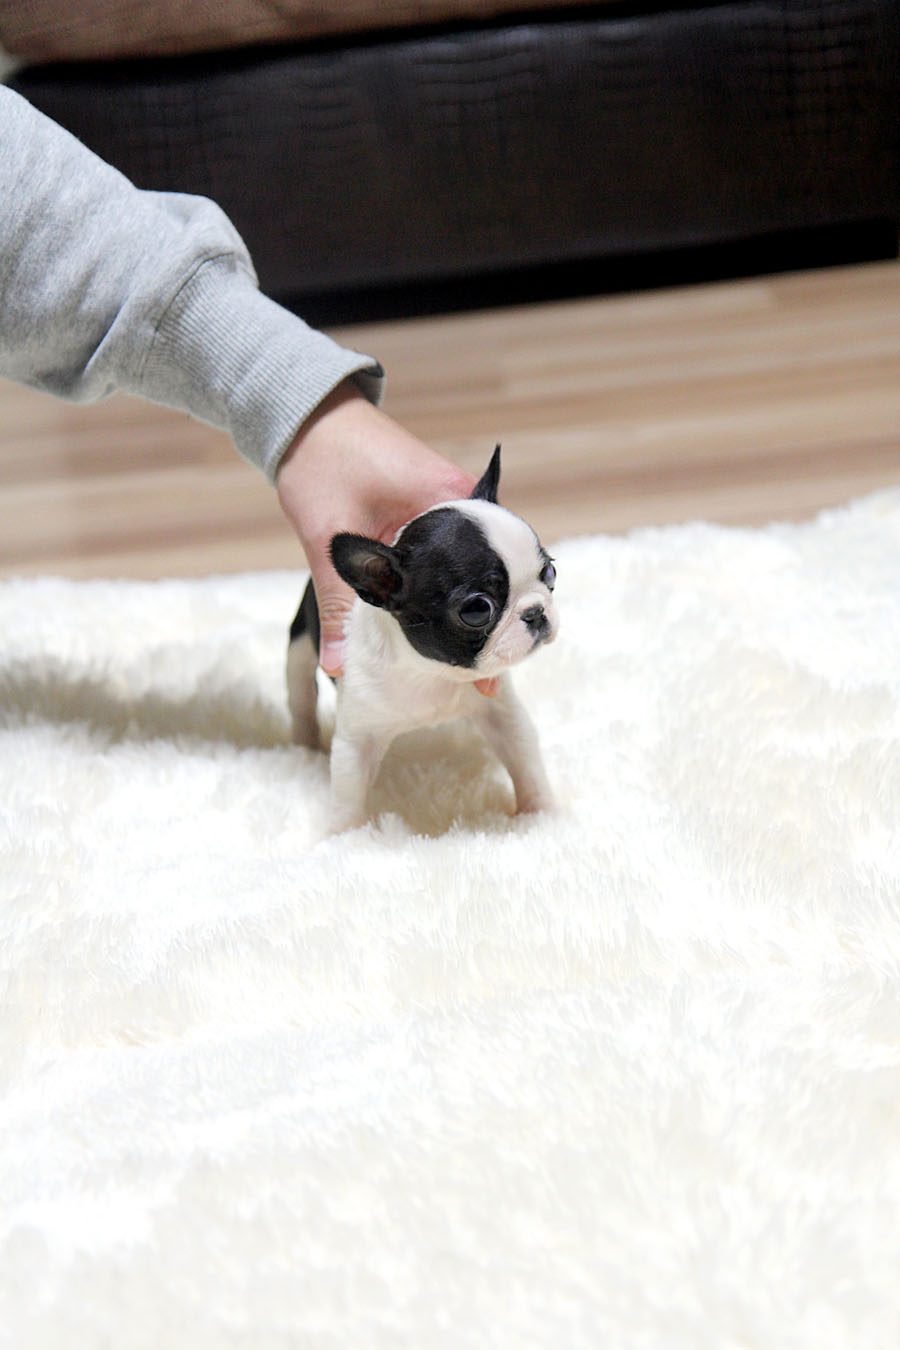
351, 467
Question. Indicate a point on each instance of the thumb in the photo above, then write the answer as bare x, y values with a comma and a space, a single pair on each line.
335, 600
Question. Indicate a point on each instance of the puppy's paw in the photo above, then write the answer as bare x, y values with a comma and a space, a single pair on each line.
342, 822
305, 732
346, 811
537, 801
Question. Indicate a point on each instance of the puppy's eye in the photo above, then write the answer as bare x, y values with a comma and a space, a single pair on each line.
548, 575
477, 611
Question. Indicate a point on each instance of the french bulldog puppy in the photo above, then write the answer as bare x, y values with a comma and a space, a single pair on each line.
464, 592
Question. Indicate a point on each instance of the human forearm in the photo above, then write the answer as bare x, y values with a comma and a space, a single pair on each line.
105, 287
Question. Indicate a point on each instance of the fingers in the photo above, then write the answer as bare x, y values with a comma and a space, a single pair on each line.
335, 601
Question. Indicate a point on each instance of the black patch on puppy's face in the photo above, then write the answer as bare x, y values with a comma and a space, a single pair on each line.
455, 587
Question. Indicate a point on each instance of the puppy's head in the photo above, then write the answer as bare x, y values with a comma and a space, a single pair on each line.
468, 582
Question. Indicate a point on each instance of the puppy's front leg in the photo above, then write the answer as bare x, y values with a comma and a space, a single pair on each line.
354, 763
510, 733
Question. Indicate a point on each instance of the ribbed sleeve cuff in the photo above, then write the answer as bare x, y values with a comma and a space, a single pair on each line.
232, 357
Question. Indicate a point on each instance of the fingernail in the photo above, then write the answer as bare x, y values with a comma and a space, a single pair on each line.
331, 658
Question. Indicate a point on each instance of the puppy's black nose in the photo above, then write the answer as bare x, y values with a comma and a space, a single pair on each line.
535, 619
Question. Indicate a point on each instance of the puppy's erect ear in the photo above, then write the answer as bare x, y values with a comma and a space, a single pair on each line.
486, 487
370, 567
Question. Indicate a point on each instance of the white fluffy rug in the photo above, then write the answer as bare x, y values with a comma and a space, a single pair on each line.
628, 1078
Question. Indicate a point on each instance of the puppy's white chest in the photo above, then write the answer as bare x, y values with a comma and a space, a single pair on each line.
429, 704
395, 703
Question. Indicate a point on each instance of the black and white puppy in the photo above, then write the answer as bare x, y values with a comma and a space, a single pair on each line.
464, 592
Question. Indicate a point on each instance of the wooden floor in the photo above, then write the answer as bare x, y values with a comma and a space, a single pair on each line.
737, 402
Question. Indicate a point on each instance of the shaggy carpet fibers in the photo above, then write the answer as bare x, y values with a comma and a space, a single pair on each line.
626, 1077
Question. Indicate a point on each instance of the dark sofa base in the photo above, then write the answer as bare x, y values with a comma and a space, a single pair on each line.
596, 134
740, 259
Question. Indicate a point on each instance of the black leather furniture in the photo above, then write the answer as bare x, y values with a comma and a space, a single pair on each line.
441, 153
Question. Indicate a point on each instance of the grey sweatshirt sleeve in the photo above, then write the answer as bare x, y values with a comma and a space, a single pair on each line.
104, 287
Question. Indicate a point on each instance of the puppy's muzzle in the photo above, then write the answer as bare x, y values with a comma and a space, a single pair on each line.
536, 621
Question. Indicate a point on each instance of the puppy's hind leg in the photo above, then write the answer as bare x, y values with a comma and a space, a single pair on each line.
303, 693
302, 659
